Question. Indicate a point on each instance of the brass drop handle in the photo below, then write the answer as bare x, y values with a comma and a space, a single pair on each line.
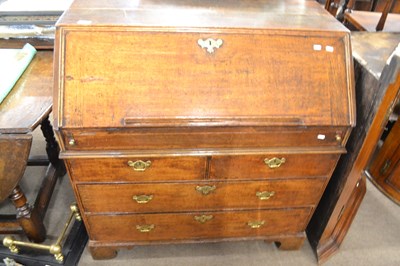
142, 199
145, 228
274, 162
203, 218
255, 224
210, 44
139, 166
205, 190
265, 195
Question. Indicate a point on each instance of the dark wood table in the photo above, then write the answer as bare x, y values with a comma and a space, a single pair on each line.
377, 90
26, 107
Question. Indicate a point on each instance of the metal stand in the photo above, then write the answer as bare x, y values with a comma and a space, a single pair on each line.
55, 249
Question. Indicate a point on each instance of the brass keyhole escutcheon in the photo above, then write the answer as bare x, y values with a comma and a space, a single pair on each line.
265, 195
210, 44
139, 166
274, 162
205, 190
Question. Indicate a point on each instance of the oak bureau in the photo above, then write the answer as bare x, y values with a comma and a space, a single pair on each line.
193, 121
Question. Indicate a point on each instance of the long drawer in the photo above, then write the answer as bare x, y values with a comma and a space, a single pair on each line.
199, 225
176, 197
200, 138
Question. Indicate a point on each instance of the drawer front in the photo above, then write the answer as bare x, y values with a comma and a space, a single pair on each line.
202, 138
137, 169
153, 227
272, 166
169, 76
173, 197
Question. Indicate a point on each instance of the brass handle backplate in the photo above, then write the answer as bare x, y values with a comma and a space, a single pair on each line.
203, 218
139, 166
210, 44
274, 162
145, 228
205, 190
255, 224
142, 199
265, 195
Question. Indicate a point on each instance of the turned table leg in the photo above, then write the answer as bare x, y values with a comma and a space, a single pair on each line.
28, 218
52, 147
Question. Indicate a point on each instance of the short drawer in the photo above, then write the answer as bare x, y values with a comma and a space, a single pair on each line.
153, 227
272, 166
137, 169
175, 197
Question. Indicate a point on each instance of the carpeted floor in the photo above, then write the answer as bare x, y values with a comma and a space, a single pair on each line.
373, 239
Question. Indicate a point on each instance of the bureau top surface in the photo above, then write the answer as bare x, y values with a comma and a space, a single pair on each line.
258, 14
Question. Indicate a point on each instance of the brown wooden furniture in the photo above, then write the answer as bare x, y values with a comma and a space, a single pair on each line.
26, 107
384, 169
213, 120
377, 90
374, 21
372, 5
333, 7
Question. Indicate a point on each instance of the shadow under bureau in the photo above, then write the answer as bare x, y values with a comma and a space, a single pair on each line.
192, 121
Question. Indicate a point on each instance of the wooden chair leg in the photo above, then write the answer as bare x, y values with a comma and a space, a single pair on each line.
28, 218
